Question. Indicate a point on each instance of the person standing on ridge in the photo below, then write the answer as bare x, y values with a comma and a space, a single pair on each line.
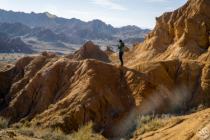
121, 48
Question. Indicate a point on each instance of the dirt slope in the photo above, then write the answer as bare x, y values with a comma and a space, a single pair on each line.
190, 127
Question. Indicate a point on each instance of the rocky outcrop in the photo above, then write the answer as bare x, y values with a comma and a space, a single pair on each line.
183, 33
82, 90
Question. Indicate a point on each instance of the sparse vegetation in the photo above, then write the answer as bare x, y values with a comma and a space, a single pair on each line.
86, 133
151, 123
45, 134
26, 130
49, 134
198, 108
3, 123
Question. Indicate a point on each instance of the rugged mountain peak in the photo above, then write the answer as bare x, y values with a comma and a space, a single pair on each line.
75, 30
49, 15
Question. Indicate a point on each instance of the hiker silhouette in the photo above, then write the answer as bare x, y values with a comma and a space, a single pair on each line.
121, 48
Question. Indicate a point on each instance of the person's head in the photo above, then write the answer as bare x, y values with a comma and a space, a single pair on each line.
120, 41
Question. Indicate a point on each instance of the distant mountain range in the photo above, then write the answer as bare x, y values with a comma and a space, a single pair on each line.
11, 45
47, 31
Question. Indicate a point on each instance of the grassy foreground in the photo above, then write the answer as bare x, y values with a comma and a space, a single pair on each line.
22, 131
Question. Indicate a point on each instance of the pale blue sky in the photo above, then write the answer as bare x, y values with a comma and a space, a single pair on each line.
116, 12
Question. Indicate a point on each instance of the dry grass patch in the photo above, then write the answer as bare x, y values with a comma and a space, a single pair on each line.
151, 123
45, 134
26, 130
86, 133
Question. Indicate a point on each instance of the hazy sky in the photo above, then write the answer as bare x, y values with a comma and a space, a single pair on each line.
116, 12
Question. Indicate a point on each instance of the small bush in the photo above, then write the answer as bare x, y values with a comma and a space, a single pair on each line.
3, 123
86, 133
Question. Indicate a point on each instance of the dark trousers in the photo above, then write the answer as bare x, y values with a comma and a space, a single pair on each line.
121, 57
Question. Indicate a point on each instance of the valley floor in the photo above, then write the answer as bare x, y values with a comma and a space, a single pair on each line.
12, 57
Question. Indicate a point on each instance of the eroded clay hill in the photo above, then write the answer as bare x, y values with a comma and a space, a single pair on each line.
67, 92
61, 92
90, 51
183, 34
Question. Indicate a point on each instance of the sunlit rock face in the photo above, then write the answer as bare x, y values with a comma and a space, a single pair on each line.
183, 33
